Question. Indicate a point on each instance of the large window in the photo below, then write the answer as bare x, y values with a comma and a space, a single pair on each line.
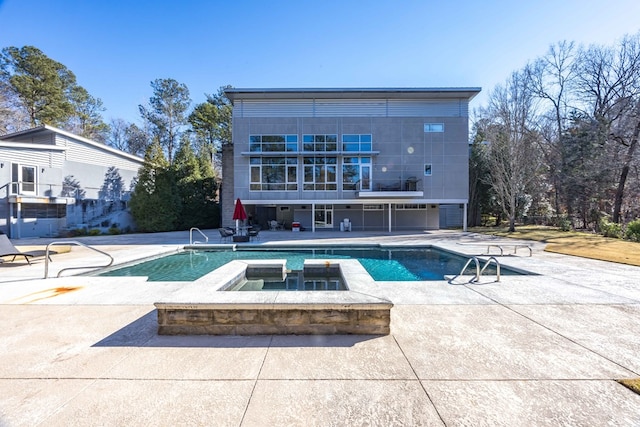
320, 142
274, 173
273, 143
356, 173
356, 143
320, 173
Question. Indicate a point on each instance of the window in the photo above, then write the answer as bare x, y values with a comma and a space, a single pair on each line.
23, 179
356, 143
372, 207
320, 142
410, 207
427, 169
274, 173
320, 173
434, 127
356, 173
273, 143
43, 211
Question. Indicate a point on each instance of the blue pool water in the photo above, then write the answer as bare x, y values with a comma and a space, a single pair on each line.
388, 264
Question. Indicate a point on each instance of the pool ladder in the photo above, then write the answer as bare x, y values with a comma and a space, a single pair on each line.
191, 241
73, 242
479, 271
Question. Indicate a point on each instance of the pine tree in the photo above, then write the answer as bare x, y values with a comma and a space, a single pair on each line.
155, 205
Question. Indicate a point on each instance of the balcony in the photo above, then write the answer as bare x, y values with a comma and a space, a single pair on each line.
407, 188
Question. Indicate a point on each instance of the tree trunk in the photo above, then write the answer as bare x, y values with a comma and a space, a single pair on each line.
617, 206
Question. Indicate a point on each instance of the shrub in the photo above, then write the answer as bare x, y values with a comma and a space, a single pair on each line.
77, 232
94, 232
633, 231
564, 223
113, 230
610, 229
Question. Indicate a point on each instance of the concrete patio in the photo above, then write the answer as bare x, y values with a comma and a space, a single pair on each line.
538, 350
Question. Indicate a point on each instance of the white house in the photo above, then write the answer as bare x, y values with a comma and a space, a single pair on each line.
52, 181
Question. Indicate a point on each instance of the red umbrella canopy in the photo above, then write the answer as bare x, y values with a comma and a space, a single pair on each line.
239, 212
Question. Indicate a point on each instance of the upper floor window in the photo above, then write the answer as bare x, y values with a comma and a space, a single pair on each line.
356, 142
434, 127
23, 178
320, 142
273, 143
356, 173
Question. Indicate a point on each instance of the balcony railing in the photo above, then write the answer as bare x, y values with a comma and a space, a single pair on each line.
409, 187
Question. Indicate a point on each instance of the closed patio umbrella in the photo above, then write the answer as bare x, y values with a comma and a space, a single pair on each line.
239, 214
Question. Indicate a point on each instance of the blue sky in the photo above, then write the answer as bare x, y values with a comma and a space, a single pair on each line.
117, 47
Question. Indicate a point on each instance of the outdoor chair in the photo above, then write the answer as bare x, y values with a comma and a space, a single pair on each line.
7, 249
254, 233
225, 234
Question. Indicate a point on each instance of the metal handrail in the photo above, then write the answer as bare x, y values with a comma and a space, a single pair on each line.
497, 267
477, 276
72, 242
191, 241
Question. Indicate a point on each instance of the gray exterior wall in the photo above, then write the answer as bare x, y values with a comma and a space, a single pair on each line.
56, 154
400, 150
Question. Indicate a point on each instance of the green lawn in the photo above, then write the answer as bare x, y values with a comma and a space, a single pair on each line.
583, 244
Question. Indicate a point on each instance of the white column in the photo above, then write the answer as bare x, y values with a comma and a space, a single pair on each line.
464, 218
313, 217
18, 220
389, 217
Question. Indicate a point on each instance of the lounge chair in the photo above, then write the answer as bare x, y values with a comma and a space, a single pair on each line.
7, 249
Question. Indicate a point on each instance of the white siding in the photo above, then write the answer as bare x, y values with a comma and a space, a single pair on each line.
78, 151
27, 156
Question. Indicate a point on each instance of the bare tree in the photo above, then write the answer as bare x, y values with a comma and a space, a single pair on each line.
609, 82
551, 78
117, 137
513, 155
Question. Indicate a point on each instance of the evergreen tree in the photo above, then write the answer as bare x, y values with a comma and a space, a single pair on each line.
87, 120
154, 203
42, 85
211, 123
166, 113
195, 189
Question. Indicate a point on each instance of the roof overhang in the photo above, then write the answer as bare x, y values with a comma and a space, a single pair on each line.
353, 93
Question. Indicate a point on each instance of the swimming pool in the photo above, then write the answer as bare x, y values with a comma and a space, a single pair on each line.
383, 264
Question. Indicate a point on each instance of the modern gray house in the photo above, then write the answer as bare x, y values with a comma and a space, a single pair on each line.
52, 181
360, 159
